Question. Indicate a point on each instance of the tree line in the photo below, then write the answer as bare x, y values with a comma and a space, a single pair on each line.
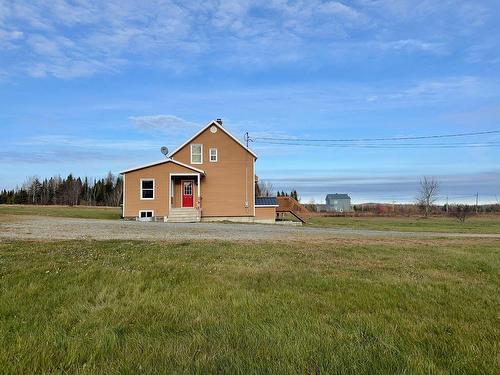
292, 194
70, 191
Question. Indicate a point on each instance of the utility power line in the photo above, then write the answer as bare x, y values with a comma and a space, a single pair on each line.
457, 196
386, 146
405, 138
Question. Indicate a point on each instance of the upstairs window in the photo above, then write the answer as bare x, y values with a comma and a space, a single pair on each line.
147, 188
196, 154
213, 154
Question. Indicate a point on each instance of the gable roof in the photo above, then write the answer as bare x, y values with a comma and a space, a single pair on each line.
266, 201
338, 196
213, 122
162, 162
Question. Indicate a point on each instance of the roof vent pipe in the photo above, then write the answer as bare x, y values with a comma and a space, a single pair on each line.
219, 121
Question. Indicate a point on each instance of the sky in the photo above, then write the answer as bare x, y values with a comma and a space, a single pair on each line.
88, 87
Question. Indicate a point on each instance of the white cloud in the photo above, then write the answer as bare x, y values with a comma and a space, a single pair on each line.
43, 45
485, 52
98, 144
28, 14
430, 12
80, 38
66, 68
163, 124
61, 149
10, 38
84, 34
412, 45
336, 8
454, 85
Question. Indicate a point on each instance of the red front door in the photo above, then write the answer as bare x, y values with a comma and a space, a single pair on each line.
187, 194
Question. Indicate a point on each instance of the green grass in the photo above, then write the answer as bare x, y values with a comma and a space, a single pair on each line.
480, 224
81, 212
358, 307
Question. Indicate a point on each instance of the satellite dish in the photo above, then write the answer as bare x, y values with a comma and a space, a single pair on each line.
164, 150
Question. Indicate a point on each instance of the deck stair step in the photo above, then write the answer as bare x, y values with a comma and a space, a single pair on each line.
292, 206
183, 215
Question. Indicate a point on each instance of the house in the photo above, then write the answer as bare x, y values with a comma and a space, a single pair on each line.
211, 177
338, 203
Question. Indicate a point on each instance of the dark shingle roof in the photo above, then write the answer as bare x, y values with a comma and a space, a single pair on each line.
338, 196
266, 201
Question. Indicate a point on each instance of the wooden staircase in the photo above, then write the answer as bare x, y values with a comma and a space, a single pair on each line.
183, 215
293, 207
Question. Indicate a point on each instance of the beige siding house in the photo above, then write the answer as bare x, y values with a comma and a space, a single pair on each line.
211, 177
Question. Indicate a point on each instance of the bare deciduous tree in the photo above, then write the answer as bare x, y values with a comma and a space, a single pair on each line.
33, 186
72, 191
264, 189
427, 193
116, 195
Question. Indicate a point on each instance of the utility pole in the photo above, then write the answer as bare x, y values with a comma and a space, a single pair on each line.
447, 205
477, 202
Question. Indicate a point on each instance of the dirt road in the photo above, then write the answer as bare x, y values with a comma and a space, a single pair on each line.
48, 228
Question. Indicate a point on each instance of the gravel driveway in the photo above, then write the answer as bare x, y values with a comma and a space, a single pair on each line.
48, 228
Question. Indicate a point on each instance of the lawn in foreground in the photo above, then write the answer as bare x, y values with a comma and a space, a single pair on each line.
480, 224
346, 307
80, 212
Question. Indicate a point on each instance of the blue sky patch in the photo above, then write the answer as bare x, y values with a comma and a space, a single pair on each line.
92, 86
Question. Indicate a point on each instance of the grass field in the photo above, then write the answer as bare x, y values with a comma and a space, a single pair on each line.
354, 306
80, 212
480, 224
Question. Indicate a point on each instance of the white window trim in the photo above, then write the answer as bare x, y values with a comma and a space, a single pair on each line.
210, 155
191, 148
140, 190
147, 218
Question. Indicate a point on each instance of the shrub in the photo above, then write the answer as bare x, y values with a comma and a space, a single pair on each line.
462, 212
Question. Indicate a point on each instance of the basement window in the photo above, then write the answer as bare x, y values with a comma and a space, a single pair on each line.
213, 154
147, 188
196, 154
146, 215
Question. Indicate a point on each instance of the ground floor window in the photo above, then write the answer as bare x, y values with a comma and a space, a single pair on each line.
147, 188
